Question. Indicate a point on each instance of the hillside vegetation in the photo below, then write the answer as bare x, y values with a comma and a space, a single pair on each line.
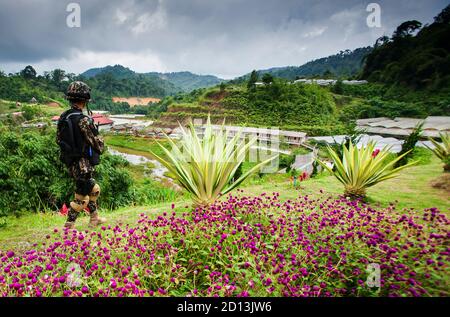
170, 82
346, 63
289, 106
414, 56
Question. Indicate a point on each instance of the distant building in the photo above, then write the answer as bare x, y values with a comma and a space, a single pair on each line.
103, 112
103, 122
33, 100
33, 125
262, 134
327, 82
354, 82
402, 127
380, 141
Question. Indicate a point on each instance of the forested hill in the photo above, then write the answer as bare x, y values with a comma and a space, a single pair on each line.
121, 81
344, 64
414, 56
172, 82
188, 81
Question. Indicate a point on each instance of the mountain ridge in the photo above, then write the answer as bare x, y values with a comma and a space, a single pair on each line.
347, 63
185, 81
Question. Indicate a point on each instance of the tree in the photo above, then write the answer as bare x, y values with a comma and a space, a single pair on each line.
338, 88
57, 76
30, 112
267, 78
253, 79
406, 29
381, 40
70, 77
409, 145
28, 72
327, 74
444, 16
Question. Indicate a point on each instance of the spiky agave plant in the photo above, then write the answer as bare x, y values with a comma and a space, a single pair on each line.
361, 168
205, 167
442, 151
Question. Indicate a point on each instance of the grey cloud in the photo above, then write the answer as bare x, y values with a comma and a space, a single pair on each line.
227, 37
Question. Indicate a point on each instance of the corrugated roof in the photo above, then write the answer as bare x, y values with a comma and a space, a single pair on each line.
404, 126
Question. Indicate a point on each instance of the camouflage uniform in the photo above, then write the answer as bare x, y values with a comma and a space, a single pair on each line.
82, 171
87, 190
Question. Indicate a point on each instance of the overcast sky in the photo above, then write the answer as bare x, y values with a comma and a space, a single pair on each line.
226, 38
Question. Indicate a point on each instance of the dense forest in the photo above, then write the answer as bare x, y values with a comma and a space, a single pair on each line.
414, 56
105, 82
170, 82
346, 64
50, 86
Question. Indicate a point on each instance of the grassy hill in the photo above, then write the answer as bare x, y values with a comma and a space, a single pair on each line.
302, 107
188, 81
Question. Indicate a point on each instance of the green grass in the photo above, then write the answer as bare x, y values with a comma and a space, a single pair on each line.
33, 228
136, 145
8, 107
52, 111
48, 111
411, 189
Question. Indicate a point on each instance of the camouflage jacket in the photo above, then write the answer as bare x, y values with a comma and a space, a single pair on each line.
95, 141
83, 166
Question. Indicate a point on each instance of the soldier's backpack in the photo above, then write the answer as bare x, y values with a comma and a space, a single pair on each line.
68, 137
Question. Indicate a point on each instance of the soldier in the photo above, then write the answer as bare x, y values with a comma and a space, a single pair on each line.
81, 147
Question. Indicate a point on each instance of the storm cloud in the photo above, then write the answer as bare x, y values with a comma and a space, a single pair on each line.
226, 38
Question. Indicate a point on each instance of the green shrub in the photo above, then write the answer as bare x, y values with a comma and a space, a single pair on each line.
409, 145
32, 178
30, 112
359, 169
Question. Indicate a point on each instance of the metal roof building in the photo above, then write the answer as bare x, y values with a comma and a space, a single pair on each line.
402, 127
381, 142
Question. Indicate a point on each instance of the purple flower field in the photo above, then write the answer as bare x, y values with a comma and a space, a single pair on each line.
243, 246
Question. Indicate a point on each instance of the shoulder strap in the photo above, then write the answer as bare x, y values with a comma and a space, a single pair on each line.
74, 114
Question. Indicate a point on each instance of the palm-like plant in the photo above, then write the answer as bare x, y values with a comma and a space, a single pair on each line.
442, 151
205, 166
361, 168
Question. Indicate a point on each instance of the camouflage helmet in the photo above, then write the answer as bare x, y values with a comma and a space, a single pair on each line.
78, 90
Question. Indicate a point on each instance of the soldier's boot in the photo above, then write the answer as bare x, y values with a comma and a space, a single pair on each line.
76, 206
69, 224
95, 220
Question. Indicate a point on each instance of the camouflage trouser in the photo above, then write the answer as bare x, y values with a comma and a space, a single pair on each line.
86, 189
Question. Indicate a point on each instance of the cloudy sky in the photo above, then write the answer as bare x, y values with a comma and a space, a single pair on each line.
226, 38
